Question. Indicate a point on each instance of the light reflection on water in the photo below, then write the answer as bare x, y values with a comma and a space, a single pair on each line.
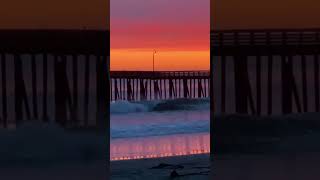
159, 146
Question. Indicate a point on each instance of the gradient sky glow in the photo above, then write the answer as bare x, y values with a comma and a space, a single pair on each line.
178, 29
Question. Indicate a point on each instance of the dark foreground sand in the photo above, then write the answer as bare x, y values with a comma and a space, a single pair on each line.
187, 167
266, 148
58, 171
302, 166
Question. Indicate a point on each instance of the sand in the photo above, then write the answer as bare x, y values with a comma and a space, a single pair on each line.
245, 148
263, 148
302, 166
60, 171
197, 166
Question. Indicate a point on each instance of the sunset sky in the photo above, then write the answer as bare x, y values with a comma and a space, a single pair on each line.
177, 29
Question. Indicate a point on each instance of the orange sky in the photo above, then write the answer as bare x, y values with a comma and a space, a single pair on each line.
56, 14
228, 14
180, 34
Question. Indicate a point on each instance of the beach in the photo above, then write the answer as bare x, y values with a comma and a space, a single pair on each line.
160, 139
187, 167
59, 171
159, 128
282, 147
46, 151
224, 167
267, 166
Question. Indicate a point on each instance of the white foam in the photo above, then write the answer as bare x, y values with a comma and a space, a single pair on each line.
159, 105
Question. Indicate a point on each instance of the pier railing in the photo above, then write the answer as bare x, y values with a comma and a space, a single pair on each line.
268, 37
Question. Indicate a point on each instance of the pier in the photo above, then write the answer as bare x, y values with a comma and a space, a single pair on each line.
149, 85
54, 75
265, 71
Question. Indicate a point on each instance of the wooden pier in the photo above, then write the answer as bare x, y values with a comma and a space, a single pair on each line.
149, 85
265, 71
54, 75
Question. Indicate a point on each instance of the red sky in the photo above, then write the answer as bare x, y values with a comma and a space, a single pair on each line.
177, 29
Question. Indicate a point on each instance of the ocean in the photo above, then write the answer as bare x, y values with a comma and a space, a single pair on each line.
159, 128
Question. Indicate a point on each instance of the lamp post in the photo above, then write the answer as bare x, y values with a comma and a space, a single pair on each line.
154, 52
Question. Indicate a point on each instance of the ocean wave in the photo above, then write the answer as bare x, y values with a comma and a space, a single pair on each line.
181, 127
121, 107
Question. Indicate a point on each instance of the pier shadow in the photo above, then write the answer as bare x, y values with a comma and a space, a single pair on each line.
265, 103
54, 112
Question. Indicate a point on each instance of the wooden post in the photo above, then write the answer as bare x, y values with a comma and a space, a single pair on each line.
205, 88
170, 88
161, 81
86, 89
185, 88
45, 88
137, 87
20, 90
194, 86
165, 89
102, 92
4, 89
269, 102
111, 89
316, 82
34, 86
75, 88
62, 90
129, 90
241, 84
150, 89
133, 89
258, 84
304, 84
286, 86
223, 84
190, 85
121, 97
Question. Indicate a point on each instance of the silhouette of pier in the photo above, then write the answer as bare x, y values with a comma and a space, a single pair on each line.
149, 85
265, 71
54, 75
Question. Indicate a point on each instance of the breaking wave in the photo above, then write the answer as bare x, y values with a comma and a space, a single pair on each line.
121, 107
181, 127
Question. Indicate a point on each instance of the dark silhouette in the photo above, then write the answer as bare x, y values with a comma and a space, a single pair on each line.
125, 85
58, 73
250, 57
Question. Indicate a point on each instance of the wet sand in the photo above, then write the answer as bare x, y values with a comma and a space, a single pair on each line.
159, 146
187, 167
224, 167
